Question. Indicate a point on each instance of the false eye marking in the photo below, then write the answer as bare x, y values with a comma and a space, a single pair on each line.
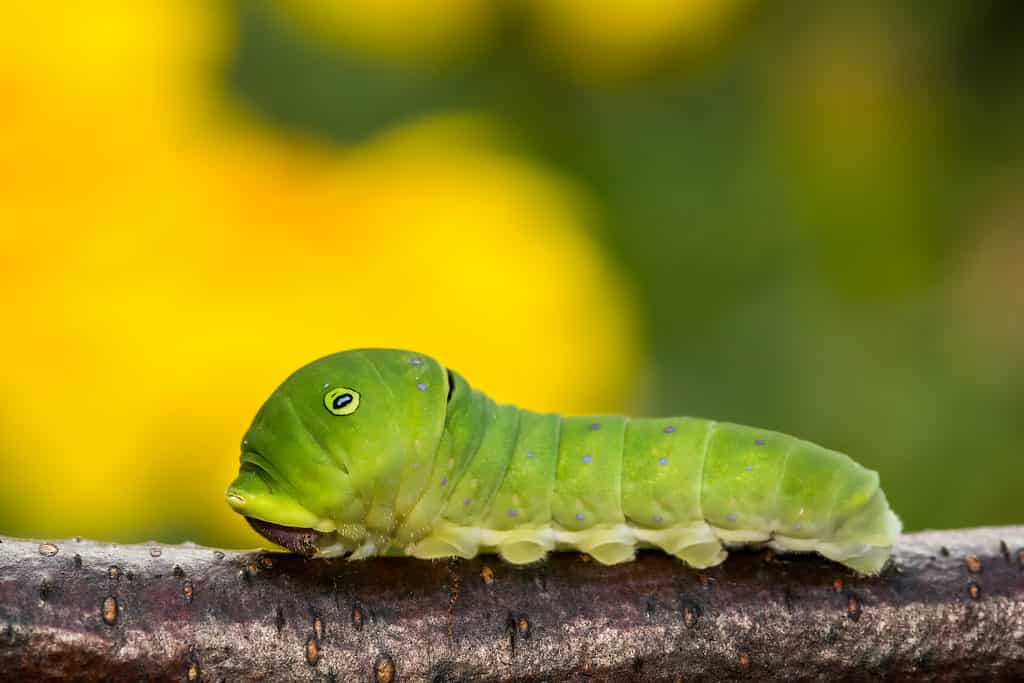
341, 401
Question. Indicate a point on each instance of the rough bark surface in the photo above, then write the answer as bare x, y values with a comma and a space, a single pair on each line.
950, 607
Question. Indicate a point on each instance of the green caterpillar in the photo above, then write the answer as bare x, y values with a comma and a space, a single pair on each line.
385, 452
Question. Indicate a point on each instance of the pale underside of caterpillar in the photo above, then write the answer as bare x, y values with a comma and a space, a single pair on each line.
386, 452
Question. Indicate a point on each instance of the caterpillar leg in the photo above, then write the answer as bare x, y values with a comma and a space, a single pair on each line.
697, 544
524, 552
338, 548
702, 555
863, 542
447, 540
520, 546
611, 551
607, 544
862, 558
870, 561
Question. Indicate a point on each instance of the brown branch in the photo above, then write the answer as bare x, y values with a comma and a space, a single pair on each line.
950, 607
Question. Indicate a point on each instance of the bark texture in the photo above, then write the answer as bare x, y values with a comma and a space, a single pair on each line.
949, 607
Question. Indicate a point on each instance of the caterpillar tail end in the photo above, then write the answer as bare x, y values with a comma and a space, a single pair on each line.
870, 562
871, 554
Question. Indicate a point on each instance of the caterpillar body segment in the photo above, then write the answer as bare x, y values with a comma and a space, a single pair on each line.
378, 451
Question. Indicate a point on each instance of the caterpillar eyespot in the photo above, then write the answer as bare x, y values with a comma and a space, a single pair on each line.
341, 401
432, 468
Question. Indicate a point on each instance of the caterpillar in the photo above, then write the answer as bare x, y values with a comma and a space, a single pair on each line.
387, 452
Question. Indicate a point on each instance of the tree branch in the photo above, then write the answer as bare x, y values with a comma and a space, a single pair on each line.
949, 607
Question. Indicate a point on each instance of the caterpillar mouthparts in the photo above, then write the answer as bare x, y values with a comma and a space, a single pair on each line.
297, 540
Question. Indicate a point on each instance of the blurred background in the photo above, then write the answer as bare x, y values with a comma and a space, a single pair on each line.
802, 216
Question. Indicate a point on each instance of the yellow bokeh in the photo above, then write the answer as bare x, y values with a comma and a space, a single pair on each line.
594, 40
412, 31
162, 273
605, 40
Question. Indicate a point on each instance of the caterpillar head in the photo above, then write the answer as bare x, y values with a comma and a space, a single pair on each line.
322, 462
